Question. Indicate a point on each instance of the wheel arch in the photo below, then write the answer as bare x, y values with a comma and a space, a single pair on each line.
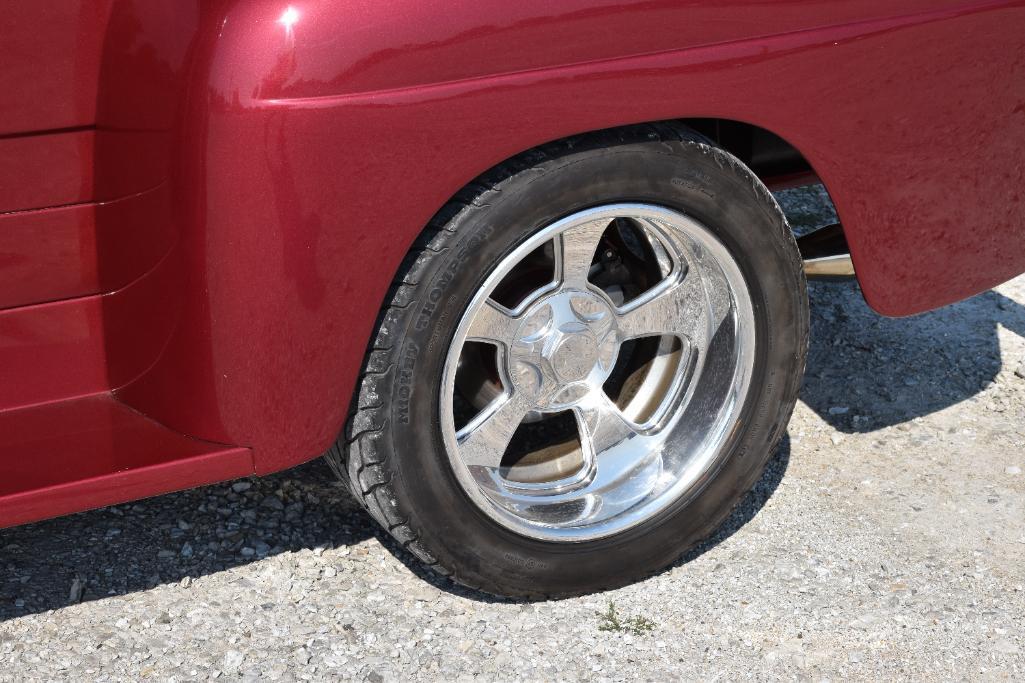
773, 159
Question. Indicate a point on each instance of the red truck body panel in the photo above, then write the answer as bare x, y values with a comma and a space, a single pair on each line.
202, 204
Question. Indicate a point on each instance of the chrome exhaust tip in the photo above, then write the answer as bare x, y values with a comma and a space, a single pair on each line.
826, 254
839, 266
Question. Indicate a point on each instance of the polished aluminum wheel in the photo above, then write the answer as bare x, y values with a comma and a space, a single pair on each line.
599, 373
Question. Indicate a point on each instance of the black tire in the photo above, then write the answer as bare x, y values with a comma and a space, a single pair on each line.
391, 453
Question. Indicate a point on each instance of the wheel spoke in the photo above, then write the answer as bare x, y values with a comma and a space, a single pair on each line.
683, 308
493, 324
484, 440
575, 252
602, 424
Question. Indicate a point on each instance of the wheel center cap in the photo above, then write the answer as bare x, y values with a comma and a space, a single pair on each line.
574, 356
564, 348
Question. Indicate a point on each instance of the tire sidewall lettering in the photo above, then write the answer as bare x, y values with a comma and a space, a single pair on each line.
405, 381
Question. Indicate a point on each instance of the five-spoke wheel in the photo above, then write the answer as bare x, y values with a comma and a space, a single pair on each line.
557, 346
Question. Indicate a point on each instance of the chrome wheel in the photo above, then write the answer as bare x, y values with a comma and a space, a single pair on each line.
599, 372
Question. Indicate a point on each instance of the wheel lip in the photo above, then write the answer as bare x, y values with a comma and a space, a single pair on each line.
737, 398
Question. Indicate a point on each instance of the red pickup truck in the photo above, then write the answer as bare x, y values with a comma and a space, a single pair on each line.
515, 266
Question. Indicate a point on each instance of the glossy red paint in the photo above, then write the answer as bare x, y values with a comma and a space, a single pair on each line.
46, 170
253, 172
67, 349
51, 53
50, 352
73, 455
52, 254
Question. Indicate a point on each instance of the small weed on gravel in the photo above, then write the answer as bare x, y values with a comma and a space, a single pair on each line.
611, 620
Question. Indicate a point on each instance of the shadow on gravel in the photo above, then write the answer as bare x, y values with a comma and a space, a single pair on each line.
139, 546
134, 547
750, 505
866, 371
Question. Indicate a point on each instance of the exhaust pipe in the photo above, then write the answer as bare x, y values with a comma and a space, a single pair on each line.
826, 254
833, 267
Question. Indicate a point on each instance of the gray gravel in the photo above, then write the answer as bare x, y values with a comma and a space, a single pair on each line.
886, 541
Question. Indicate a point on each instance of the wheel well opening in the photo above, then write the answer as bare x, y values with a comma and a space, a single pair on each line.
784, 170
781, 166
772, 158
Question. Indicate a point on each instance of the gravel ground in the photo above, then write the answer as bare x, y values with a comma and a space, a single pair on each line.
884, 542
